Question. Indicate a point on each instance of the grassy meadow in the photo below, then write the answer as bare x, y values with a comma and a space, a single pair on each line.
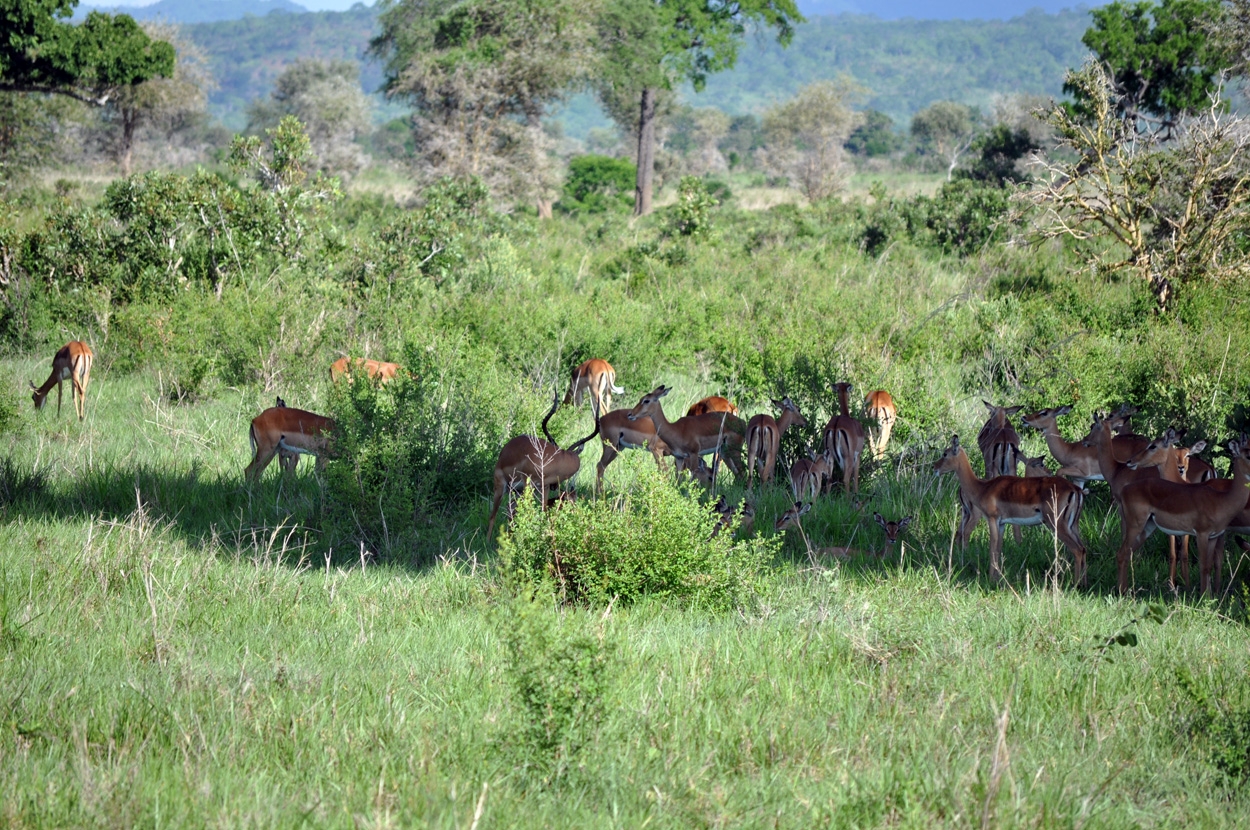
343, 649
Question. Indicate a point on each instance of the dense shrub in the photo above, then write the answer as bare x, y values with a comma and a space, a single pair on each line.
657, 540
597, 184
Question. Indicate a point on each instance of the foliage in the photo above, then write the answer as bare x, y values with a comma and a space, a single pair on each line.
1174, 211
560, 669
657, 540
806, 136
947, 130
874, 136
694, 207
42, 52
999, 154
1216, 722
596, 184
1160, 61
327, 99
28, 136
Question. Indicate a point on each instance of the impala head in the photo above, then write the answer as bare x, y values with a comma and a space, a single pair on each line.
892, 529
791, 517
1099, 430
279, 403
37, 396
1044, 419
1120, 422
1035, 466
949, 459
1000, 414
1156, 452
701, 471
649, 403
1183, 455
1239, 448
787, 405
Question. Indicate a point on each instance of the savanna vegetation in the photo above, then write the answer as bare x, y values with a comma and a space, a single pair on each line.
345, 646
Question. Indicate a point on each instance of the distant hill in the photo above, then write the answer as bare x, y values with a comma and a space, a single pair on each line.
941, 9
199, 11
905, 64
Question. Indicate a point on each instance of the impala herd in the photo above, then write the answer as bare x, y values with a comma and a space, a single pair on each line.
1157, 484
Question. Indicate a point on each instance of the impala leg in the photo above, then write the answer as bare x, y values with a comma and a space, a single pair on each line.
260, 461
883, 439
609, 455
774, 449
1133, 536
1066, 529
500, 486
654, 448
58, 398
1185, 560
1205, 560
966, 525
996, 549
1217, 551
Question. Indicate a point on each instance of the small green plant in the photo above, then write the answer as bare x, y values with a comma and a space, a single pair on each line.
657, 540
1217, 724
694, 207
558, 664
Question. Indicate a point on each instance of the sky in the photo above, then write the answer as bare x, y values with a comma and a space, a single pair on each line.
888, 9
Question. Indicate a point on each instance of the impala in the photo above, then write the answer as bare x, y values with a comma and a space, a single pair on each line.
620, 434
71, 362
1173, 464
808, 475
999, 442
1008, 500
542, 463
1035, 466
726, 511
374, 369
598, 378
1204, 511
713, 403
694, 435
879, 408
791, 518
844, 440
290, 433
764, 438
1077, 459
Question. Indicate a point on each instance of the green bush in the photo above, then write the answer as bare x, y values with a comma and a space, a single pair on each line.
694, 207
597, 184
656, 540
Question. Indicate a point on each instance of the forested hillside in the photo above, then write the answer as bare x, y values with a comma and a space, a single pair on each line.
905, 64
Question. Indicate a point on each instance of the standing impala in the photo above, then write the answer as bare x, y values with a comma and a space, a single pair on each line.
1077, 459
289, 432
879, 408
844, 440
374, 369
1003, 500
619, 433
1173, 464
1202, 510
542, 463
999, 442
694, 435
598, 378
764, 438
808, 475
712, 403
71, 362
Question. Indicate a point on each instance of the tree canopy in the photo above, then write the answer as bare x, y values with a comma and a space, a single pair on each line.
41, 51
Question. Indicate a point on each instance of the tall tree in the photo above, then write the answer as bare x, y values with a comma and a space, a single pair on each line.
41, 51
1160, 58
651, 45
481, 74
946, 129
806, 136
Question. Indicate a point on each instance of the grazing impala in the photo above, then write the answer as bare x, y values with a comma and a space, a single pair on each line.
764, 438
290, 433
712, 403
374, 369
1003, 500
598, 378
542, 463
620, 434
71, 362
694, 435
879, 408
844, 440
1204, 511
808, 475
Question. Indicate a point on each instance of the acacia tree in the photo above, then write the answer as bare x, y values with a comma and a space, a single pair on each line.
480, 76
806, 136
1159, 59
41, 51
650, 45
946, 129
1171, 212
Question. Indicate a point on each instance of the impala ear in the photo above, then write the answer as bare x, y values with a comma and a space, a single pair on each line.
988, 405
903, 523
805, 509
954, 441
1063, 410
1197, 448
777, 403
1013, 410
880, 519
664, 390
32, 385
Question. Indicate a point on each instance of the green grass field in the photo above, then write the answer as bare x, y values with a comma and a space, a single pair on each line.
176, 650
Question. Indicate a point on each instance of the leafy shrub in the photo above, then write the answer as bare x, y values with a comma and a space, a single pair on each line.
1218, 725
694, 207
653, 541
967, 215
598, 184
559, 667
420, 445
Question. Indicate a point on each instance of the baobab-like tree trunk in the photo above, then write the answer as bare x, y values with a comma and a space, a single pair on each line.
646, 153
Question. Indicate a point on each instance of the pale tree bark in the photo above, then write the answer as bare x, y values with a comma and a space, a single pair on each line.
130, 122
646, 153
